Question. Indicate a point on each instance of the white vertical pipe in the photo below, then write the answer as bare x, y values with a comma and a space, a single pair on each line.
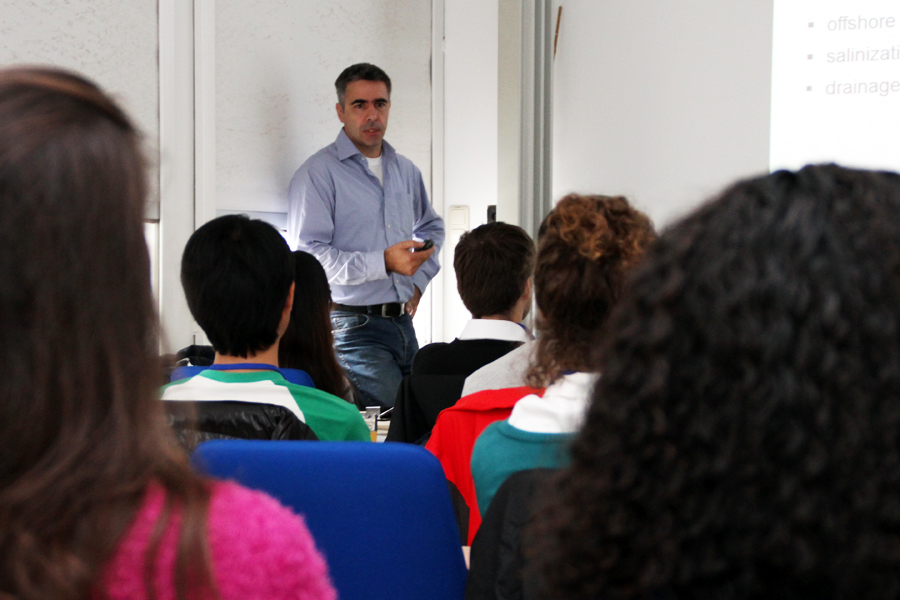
205, 110
176, 165
437, 161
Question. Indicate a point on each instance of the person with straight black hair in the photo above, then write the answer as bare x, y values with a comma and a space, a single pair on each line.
96, 499
744, 440
307, 343
238, 277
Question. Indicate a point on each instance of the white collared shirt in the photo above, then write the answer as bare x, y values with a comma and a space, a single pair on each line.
560, 410
494, 329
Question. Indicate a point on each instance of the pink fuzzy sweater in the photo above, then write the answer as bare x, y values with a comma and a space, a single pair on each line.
259, 550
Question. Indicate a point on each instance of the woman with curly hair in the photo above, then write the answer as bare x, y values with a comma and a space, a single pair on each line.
744, 441
586, 247
96, 499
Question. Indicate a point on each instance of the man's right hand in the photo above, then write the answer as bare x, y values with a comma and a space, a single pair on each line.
400, 258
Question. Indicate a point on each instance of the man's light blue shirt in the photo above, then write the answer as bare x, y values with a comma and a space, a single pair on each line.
340, 213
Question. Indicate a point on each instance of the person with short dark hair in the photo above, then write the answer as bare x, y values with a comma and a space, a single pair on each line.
743, 441
360, 72
362, 210
493, 265
229, 265
96, 498
238, 277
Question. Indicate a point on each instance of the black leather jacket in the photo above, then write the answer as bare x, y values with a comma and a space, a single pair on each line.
196, 422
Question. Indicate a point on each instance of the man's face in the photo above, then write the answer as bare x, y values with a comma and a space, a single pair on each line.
365, 115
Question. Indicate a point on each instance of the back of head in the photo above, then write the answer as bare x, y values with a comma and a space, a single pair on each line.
493, 263
587, 246
359, 72
308, 343
82, 429
743, 441
236, 273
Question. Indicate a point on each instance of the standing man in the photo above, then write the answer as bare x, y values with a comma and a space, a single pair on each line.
362, 210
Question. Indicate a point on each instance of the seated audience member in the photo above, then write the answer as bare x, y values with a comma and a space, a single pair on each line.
308, 344
493, 265
587, 247
96, 499
743, 442
238, 278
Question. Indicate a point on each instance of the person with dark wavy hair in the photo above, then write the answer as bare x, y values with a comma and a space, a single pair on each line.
307, 343
96, 498
744, 441
587, 246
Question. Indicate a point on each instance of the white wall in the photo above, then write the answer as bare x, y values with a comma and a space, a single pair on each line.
275, 66
271, 65
276, 63
663, 101
470, 128
111, 42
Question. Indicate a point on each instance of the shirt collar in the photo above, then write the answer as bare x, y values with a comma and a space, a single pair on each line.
560, 410
493, 329
346, 148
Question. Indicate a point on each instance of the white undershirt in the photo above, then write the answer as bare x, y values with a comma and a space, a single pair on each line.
376, 168
560, 410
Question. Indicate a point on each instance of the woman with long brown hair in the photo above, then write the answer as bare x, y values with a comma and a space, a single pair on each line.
96, 500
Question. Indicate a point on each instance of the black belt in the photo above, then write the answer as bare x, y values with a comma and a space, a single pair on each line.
388, 309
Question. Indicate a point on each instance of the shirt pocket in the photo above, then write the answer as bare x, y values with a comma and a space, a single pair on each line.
343, 323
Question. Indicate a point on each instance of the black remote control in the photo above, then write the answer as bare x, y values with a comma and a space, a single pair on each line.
428, 244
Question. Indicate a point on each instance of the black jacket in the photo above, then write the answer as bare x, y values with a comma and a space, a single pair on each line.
498, 568
439, 372
196, 422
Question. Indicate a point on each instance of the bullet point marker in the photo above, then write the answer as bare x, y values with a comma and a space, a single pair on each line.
809, 57
812, 24
809, 88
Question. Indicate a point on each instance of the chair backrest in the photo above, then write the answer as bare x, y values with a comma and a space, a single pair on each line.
420, 400
380, 513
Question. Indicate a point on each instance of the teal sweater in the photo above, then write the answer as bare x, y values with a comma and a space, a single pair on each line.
501, 450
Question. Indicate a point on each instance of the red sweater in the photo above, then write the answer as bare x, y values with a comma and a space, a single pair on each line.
259, 549
456, 430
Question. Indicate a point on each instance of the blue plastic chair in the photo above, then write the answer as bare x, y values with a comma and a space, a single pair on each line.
380, 513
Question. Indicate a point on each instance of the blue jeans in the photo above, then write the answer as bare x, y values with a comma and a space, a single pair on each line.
375, 352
